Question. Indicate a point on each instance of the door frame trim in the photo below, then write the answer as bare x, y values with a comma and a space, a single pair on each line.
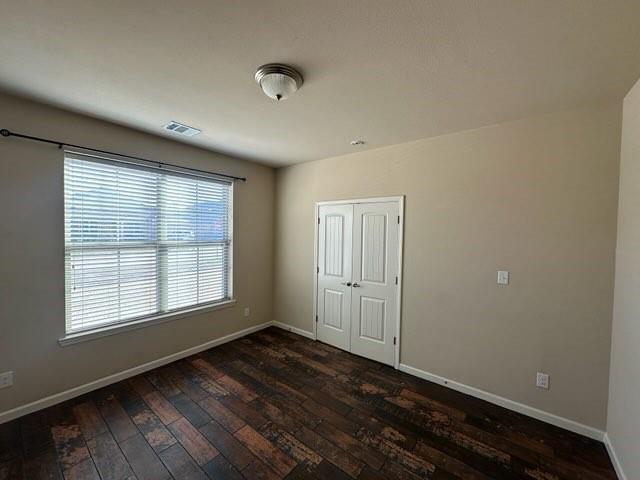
349, 201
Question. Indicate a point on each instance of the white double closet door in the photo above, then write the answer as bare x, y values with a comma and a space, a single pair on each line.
358, 268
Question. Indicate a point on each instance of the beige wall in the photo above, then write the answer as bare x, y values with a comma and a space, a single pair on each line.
536, 197
32, 255
623, 425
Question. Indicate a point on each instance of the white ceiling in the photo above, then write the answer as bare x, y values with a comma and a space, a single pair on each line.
387, 71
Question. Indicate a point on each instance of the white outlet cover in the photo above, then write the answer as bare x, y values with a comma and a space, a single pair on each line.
247, 311
542, 380
503, 277
6, 379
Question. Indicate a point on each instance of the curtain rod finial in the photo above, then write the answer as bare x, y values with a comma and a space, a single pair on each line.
4, 132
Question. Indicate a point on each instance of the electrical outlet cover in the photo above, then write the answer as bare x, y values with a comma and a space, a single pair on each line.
542, 380
6, 379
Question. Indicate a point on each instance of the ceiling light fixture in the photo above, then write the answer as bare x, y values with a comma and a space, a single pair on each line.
278, 81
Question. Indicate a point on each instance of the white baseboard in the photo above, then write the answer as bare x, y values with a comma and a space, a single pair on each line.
556, 420
289, 328
116, 377
614, 458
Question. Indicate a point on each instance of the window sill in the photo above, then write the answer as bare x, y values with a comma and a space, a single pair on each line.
89, 335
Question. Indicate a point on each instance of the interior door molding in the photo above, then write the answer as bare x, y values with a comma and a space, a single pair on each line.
400, 201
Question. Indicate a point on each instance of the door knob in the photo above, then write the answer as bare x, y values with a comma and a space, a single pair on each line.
356, 284
348, 284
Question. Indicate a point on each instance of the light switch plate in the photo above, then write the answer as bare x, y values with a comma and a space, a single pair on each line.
503, 277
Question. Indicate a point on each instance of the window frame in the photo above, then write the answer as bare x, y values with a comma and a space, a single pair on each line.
78, 335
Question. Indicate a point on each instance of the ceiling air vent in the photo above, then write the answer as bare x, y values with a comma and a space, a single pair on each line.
181, 129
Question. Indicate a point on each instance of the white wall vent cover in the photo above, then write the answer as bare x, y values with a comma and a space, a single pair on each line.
181, 129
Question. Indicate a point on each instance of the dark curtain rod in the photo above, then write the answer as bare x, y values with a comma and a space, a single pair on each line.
7, 133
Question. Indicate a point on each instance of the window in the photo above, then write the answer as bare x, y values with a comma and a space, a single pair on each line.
142, 242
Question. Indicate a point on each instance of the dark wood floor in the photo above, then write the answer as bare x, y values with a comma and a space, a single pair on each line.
275, 405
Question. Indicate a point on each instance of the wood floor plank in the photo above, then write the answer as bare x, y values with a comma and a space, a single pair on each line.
234, 451
181, 465
397, 472
259, 471
117, 419
211, 387
346, 398
330, 416
43, 467
206, 383
141, 385
235, 387
346, 442
70, 445
89, 419
245, 411
276, 415
193, 441
161, 407
206, 368
327, 470
341, 459
163, 384
273, 382
301, 472
144, 462
327, 399
84, 470
222, 414
265, 450
12, 469
368, 423
154, 431
220, 469
416, 398
190, 410
108, 458
369, 474
449, 464
10, 441
189, 388
293, 447
251, 354
295, 410
35, 435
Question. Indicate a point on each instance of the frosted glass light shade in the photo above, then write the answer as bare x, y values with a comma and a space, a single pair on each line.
278, 81
278, 86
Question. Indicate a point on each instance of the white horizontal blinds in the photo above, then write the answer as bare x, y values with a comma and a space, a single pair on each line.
141, 242
195, 228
